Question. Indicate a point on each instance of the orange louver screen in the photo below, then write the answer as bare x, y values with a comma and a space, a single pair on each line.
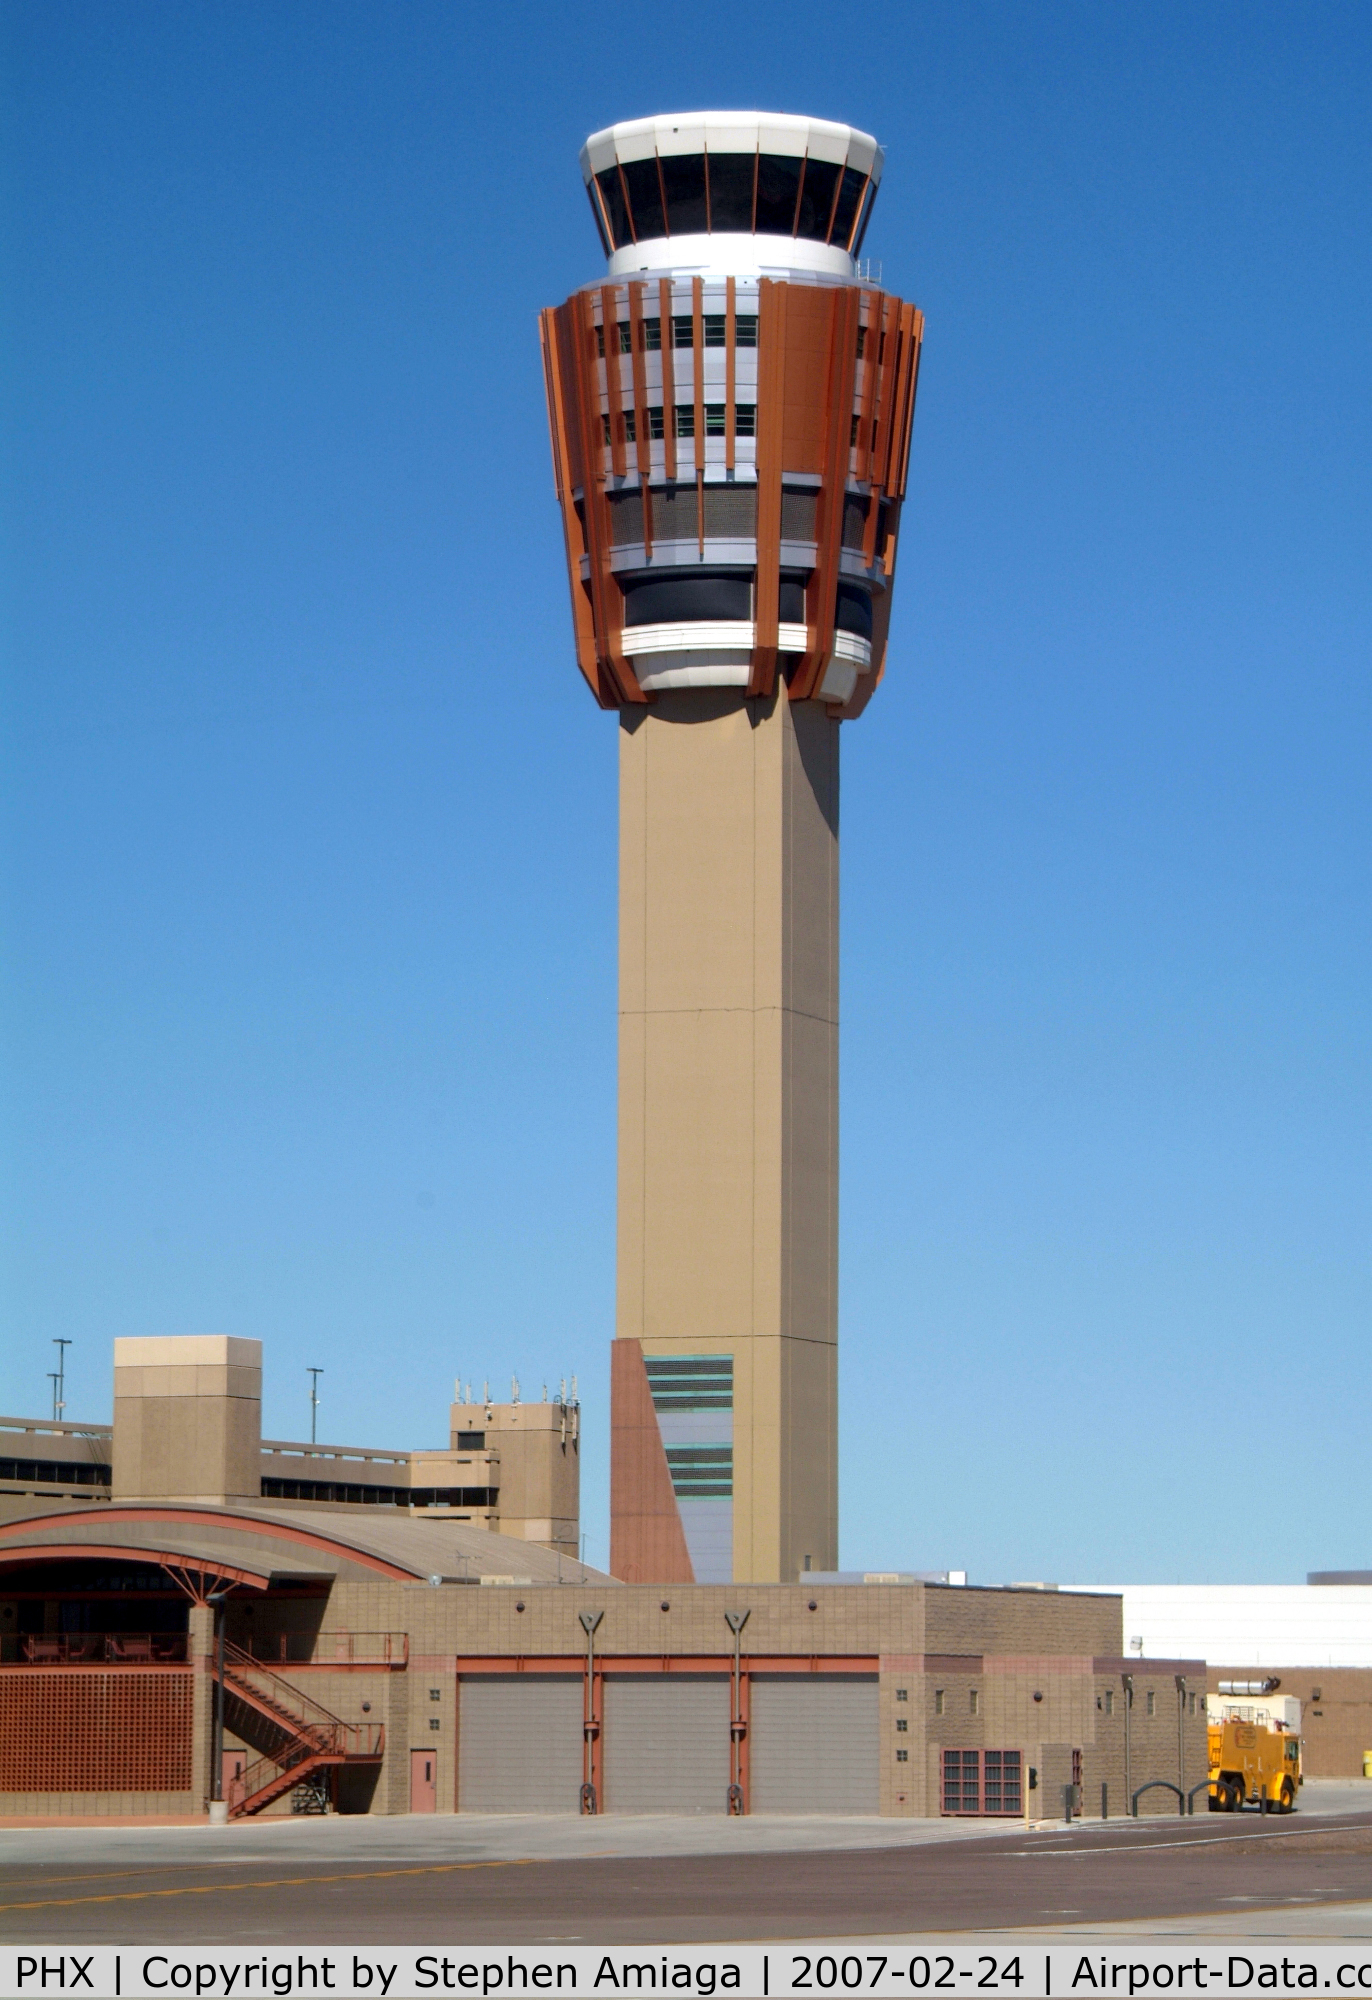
825, 414
76, 1729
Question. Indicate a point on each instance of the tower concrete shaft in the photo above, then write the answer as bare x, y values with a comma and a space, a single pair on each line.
730, 413
727, 1316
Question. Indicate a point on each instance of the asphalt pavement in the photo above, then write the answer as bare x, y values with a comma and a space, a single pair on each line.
638, 1882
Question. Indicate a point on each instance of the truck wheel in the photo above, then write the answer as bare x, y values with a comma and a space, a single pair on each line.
1236, 1797
1288, 1796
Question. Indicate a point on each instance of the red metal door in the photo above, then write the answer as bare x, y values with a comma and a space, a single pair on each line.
235, 1763
423, 1781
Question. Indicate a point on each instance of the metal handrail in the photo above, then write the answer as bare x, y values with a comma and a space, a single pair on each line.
102, 1648
322, 1649
244, 1664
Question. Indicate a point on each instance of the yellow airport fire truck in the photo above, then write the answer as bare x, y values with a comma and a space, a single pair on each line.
1253, 1761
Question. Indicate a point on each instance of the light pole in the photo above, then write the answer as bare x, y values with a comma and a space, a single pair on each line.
1181, 1737
314, 1375
1128, 1680
59, 1392
736, 1620
218, 1810
590, 1726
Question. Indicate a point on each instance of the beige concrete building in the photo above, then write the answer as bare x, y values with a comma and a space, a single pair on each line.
390, 1649
188, 1428
378, 1663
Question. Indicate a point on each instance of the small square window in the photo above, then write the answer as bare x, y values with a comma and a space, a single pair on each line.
652, 335
435, 1694
745, 330
938, 1701
681, 330
655, 424
684, 420
434, 1722
902, 1756
902, 1726
902, 1694
745, 420
714, 420
715, 324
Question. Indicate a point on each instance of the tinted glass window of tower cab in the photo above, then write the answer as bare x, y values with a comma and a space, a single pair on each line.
772, 194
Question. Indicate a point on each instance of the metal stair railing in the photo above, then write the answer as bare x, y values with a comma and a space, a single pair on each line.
308, 1734
296, 1708
266, 1779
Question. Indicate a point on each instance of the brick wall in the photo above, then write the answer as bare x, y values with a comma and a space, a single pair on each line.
78, 1732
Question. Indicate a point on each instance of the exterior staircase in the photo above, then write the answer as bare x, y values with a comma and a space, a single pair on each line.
295, 1734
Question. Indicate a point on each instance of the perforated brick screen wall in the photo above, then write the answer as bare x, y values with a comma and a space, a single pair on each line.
81, 1729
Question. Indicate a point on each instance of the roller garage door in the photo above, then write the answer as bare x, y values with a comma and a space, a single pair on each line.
519, 1743
666, 1743
814, 1743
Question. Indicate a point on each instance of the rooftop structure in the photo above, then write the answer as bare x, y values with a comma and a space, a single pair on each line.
188, 1428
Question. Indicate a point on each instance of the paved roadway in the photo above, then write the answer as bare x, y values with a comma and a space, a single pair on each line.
618, 1881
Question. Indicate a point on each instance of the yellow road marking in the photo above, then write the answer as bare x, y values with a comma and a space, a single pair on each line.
275, 1882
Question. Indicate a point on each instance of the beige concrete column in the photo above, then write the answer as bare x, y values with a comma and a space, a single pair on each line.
200, 1653
392, 1794
728, 1087
187, 1418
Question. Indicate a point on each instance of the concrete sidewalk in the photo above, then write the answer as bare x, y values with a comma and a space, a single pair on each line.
547, 1837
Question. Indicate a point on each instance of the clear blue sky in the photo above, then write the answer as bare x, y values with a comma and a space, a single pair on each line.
307, 853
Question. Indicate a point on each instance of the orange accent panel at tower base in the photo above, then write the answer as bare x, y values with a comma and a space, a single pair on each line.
647, 1542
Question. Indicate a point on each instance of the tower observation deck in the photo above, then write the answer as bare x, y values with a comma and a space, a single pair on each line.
730, 408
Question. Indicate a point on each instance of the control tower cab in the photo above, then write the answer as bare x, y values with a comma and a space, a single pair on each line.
731, 413
730, 408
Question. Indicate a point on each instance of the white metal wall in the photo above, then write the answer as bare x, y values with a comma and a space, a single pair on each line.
519, 1743
666, 1743
1250, 1625
814, 1744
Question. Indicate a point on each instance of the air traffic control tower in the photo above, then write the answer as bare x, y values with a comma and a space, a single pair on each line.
730, 410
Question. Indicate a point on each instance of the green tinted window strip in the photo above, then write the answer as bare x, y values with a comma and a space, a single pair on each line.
709, 1364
